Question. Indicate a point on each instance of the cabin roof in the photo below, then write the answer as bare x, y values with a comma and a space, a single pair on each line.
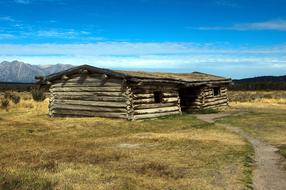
137, 76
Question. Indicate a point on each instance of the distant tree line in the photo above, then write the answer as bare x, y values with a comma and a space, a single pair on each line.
258, 85
14, 86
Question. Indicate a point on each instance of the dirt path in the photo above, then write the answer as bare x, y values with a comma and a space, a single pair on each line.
270, 170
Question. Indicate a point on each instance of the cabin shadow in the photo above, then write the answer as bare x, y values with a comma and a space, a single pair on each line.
189, 99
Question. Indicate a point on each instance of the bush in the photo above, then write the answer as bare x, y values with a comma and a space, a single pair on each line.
7, 95
38, 94
5, 103
15, 99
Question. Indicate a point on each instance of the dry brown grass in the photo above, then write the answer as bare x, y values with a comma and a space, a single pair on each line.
179, 152
264, 119
271, 97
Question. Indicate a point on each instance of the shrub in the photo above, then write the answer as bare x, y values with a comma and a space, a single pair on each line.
38, 94
5, 103
7, 95
15, 99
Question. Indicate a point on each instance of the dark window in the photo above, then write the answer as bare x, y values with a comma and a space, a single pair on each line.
216, 91
158, 97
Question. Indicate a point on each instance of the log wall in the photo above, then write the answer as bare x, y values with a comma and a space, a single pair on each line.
143, 105
202, 98
88, 96
209, 100
191, 99
99, 95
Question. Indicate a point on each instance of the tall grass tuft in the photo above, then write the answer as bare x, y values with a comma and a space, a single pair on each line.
5, 103
38, 94
15, 99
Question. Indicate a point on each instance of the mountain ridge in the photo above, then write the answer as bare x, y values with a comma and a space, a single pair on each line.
17, 71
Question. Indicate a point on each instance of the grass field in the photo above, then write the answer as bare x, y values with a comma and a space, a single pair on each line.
268, 97
179, 152
267, 121
264, 115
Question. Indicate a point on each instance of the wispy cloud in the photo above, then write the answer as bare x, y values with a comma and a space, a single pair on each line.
6, 36
7, 18
22, 1
174, 57
26, 2
227, 3
279, 25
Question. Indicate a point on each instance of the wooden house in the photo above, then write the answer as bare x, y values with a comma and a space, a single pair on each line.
90, 91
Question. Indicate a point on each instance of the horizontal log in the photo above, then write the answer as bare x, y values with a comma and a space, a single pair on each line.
92, 103
84, 79
90, 98
149, 91
146, 116
81, 113
173, 94
138, 96
87, 84
213, 99
215, 103
86, 108
114, 94
156, 110
85, 89
216, 106
144, 100
165, 100
156, 105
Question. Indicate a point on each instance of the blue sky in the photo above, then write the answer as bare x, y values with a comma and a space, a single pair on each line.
235, 38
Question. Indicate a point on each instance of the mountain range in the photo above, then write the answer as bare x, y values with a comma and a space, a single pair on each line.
17, 71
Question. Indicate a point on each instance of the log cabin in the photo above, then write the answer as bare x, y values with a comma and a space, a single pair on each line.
87, 91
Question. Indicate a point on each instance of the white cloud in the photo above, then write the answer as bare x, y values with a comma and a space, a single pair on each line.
6, 36
22, 1
227, 3
26, 2
174, 57
279, 25
7, 18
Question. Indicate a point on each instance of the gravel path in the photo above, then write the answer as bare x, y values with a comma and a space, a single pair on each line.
270, 167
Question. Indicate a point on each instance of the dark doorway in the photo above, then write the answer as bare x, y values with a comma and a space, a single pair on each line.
187, 97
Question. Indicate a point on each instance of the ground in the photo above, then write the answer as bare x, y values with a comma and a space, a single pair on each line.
264, 121
179, 152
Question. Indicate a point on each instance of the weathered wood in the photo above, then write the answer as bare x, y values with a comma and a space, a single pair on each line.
86, 108
150, 89
156, 110
82, 113
91, 98
65, 77
168, 100
114, 94
216, 106
215, 103
86, 84
138, 96
214, 99
92, 103
85, 89
156, 105
81, 79
146, 116
172, 94
144, 100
